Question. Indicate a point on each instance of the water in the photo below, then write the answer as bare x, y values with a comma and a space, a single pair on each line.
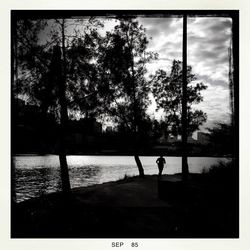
37, 175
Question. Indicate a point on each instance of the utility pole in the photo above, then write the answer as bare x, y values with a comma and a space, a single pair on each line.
184, 101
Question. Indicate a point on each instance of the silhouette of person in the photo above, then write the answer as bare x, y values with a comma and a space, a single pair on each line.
160, 162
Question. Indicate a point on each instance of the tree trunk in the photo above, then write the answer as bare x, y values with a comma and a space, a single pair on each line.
64, 173
58, 69
136, 154
135, 122
184, 101
64, 119
139, 165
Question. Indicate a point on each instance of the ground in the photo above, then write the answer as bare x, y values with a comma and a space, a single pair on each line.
132, 208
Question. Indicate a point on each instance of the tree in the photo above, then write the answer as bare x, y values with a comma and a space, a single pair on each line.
167, 91
30, 60
83, 85
122, 74
49, 75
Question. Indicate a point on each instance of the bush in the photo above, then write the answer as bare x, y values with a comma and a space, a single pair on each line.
223, 175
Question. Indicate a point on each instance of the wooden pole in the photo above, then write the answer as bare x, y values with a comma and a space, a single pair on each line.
184, 101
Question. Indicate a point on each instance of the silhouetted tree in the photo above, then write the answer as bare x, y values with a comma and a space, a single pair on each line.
60, 65
76, 79
83, 84
31, 60
122, 74
167, 90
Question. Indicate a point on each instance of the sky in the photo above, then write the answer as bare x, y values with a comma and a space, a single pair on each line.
208, 42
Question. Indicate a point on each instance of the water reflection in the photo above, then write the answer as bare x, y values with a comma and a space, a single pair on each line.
38, 181
85, 176
35, 182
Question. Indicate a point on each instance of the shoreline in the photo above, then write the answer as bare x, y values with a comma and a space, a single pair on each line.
96, 187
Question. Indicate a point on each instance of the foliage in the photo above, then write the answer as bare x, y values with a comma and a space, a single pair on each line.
222, 138
167, 90
30, 59
224, 175
123, 67
35, 69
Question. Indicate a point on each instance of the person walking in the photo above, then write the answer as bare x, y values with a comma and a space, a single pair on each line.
160, 162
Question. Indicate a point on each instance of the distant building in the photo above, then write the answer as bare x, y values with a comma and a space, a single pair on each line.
203, 138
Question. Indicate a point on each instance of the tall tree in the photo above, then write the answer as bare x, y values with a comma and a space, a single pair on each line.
124, 86
61, 82
167, 91
73, 69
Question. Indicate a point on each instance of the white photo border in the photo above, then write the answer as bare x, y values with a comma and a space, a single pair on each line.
244, 113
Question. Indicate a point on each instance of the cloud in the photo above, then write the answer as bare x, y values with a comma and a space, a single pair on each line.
208, 43
156, 25
166, 34
215, 104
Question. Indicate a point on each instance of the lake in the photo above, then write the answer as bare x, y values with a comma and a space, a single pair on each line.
38, 175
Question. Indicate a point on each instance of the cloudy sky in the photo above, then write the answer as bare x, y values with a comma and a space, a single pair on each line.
208, 42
